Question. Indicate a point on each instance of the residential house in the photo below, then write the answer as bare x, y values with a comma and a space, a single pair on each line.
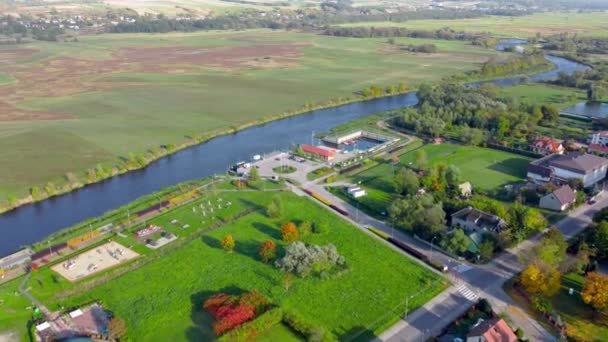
472, 220
589, 168
599, 138
546, 146
492, 330
559, 200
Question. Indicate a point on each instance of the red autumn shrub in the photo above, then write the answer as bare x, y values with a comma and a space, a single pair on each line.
255, 299
214, 303
232, 317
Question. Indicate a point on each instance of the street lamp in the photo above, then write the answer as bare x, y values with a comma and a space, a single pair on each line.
407, 306
433, 239
50, 249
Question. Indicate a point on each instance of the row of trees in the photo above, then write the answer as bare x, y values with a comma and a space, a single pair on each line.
495, 67
372, 32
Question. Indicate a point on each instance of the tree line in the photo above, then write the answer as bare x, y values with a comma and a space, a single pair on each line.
371, 32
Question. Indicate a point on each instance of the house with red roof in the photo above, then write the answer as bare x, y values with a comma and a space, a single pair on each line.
546, 146
493, 330
326, 153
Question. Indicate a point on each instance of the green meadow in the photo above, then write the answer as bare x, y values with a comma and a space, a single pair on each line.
539, 94
162, 300
130, 109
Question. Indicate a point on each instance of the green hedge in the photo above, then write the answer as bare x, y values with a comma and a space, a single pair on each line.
262, 323
311, 331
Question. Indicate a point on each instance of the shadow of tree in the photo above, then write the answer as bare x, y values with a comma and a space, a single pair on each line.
358, 334
202, 322
268, 230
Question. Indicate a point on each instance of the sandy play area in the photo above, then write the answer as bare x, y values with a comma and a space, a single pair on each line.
94, 261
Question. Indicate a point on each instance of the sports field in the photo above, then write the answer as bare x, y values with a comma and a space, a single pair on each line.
485, 168
75, 105
586, 24
162, 300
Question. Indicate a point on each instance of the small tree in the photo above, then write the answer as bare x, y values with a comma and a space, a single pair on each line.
268, 250
406, 182
486, 250
289, 232
288, 281
117, 328
320, 227
305, 229
254, 174
420, 160
595, 291
545, 281
458, 243
228, 243
274, 209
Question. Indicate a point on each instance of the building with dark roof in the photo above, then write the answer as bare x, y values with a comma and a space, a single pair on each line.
472, 220
492, 330
589, 168
559, 200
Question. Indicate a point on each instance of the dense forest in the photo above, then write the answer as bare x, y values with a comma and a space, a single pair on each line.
473, 115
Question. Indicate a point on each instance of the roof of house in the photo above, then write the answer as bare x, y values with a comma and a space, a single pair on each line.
494, 330
598, 147
601, 133
564, 194
578, 162
324, 152
479, 218
548, 144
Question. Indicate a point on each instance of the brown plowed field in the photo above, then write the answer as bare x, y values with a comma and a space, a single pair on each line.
63, 76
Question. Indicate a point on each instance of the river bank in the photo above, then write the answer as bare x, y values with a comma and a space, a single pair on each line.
28, 224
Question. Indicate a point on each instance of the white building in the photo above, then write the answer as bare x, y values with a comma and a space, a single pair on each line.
599, 138
356, 192
590, 169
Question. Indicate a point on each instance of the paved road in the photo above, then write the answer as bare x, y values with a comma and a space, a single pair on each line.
470, 282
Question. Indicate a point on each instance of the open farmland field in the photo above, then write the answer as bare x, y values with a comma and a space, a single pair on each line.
485, 168
586, 24
162, 300
75, 105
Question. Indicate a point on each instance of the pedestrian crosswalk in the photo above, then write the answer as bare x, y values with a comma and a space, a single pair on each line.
467, 293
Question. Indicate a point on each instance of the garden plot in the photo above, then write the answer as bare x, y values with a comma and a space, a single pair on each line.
94, 261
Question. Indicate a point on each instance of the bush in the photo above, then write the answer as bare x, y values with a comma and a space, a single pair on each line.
320, 227
274, 209
519, 333
309, 330
231, 311
484, 306
248, 330
289, 232
302, 260
378, 232
331, 179
305, 229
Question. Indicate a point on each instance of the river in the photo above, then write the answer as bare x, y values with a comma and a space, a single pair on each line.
31, 223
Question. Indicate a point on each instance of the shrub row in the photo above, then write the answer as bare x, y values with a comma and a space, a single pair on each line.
379, 233
249, 330
307, 329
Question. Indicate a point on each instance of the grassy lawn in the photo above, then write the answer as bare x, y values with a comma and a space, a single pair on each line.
113, 104
279, 332
162, 300
539, 94
587, 24
318, 173
485, 168
582, 324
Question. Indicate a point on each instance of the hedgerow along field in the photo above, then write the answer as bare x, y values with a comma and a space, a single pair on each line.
486, 169
547, 23
76, 105
163, 299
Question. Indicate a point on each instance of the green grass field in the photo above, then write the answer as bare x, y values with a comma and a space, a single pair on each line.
539, 94
485, 168
586, 24
162, 300
111, 105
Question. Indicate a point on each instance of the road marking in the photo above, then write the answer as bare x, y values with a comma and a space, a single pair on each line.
467, 293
